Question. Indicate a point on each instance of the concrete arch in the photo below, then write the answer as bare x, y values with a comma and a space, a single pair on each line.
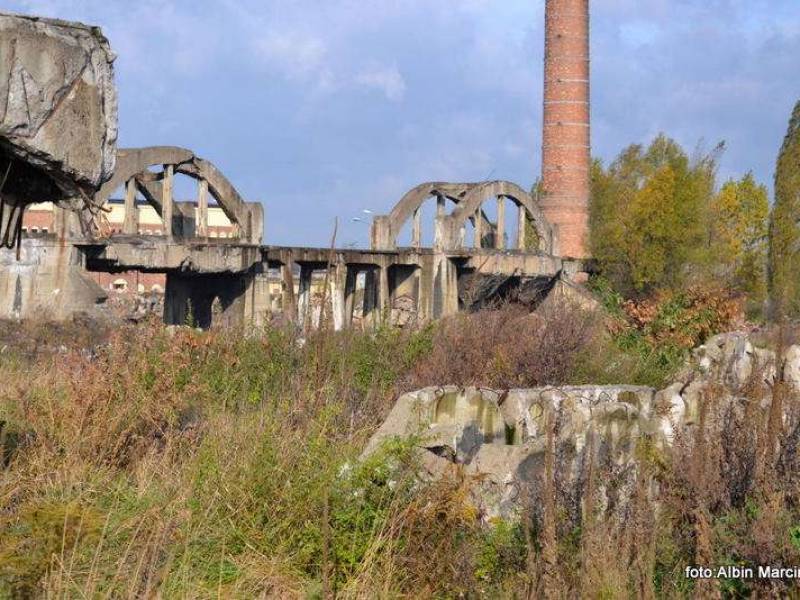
414, 198
135, 162
468, 198
480, 193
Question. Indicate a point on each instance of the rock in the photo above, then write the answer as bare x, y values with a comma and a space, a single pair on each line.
404, 311
58, 109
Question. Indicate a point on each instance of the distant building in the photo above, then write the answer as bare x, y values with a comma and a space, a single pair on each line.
38, 221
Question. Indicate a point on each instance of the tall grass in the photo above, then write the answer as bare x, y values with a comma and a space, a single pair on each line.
220, 464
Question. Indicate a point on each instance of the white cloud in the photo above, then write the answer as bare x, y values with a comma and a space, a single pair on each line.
296, 54
385, 79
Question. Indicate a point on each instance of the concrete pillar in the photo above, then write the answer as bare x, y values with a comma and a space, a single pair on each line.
416, 229
61, 222
257, 298
521, 223
381, 236
176, 299
371, 291
130, 225
478, 242
288, 304
445, 291
384, 293
425, 290
304, 307
500, 233
202, 208
338, 292
166, 201
349, 294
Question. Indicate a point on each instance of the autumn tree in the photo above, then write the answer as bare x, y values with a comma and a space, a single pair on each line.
649, 215
739, 224
784, 235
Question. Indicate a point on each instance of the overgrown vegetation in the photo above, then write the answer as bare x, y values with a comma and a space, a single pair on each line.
222, 465
212, 463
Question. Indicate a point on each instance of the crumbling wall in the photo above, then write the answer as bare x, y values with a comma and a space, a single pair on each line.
58, 116
501, 437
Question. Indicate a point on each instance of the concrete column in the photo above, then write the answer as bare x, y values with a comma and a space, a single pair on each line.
304, 315
176, 299
441, 202
288, 304
416, 229
338, 292
427, 276
202, 208
256, 297
521, 222
130, 225
166, 201
424, 295
445, 288
61, 217
349, 294
500, 233
381, 234
384, 294
478, 242
451, 283
371, 309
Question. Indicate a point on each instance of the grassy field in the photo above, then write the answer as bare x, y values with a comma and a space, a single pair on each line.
143, 463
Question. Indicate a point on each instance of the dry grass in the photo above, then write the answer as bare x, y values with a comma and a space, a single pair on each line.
222, 465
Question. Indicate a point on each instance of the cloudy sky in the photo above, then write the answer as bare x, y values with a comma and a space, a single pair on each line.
324, 108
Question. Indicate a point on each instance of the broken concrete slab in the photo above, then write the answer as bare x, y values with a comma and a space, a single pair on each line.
58, 114
500, 437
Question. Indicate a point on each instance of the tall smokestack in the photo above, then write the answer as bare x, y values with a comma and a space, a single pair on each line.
566, 147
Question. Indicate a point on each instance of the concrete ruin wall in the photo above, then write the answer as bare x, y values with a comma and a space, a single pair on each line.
58, 115
499, 438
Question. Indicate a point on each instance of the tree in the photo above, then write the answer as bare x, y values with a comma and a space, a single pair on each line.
784, 235
739, 226
649, 215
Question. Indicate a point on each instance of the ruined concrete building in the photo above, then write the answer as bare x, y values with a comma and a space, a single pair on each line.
566, 146
58, 131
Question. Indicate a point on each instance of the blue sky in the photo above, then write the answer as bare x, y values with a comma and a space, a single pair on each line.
323, 108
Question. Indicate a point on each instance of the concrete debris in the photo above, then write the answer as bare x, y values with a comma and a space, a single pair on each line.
58, 104
500, 437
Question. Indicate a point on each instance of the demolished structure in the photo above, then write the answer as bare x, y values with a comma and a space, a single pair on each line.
500, 439
58, 144
58, 117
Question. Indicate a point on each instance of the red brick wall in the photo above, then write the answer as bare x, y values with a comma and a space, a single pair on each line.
566, 147
39, 219
133, 279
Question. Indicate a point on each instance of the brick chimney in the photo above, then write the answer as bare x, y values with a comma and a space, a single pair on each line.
566, 147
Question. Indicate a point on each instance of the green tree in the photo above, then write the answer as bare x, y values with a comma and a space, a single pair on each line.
784, 235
